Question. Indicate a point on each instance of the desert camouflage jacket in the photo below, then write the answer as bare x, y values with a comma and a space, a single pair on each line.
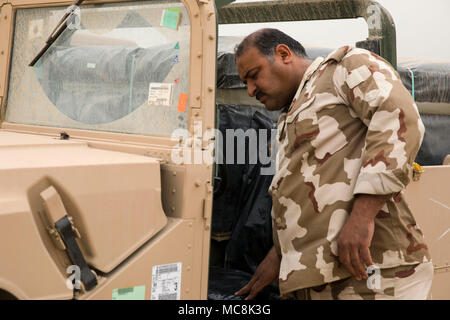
352, 128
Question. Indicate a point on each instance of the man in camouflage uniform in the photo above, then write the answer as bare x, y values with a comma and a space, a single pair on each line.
347, 136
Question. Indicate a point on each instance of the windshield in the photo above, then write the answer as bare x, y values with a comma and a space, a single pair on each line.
117, 67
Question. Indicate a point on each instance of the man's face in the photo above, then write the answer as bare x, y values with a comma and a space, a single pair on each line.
266, 80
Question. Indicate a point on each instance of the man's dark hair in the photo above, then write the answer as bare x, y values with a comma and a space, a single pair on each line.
266, 40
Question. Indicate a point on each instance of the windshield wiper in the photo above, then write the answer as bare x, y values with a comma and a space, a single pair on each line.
59, 29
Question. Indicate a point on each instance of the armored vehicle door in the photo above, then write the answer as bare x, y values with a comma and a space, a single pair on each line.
105, 166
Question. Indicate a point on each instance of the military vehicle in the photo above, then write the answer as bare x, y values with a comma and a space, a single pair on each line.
110, 113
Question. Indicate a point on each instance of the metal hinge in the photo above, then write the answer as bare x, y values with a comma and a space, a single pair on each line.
64, 233
207, 202
56, 238
204, 216
74, 229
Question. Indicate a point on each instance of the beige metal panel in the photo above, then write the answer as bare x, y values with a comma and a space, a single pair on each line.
202, 174
172, 185
114, 198
429, 200
12, 139
6, 22
184, 189
196, 55
206, 241
187, 193
440, 289
208, 60
29, 272
116, 141
175, 243
198, 186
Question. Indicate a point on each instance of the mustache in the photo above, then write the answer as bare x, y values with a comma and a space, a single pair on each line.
259, 94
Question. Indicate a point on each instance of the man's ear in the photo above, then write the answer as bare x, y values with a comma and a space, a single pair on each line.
284, 53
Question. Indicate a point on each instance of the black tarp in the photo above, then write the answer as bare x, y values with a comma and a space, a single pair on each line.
431, 79
436, 141
431, 84
236, 178
242, 204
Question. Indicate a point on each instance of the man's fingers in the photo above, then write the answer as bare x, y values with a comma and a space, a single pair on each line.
366, 257
344, 257
251, 295
245, 289
356, 263
256, 288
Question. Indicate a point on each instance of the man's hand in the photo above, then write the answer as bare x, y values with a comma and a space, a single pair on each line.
266, 273
356, 236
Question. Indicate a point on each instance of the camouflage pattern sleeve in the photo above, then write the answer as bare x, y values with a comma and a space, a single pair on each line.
376, 95
276, 241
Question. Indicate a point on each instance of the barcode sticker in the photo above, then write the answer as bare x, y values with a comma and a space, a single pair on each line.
160, 94
166, 282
